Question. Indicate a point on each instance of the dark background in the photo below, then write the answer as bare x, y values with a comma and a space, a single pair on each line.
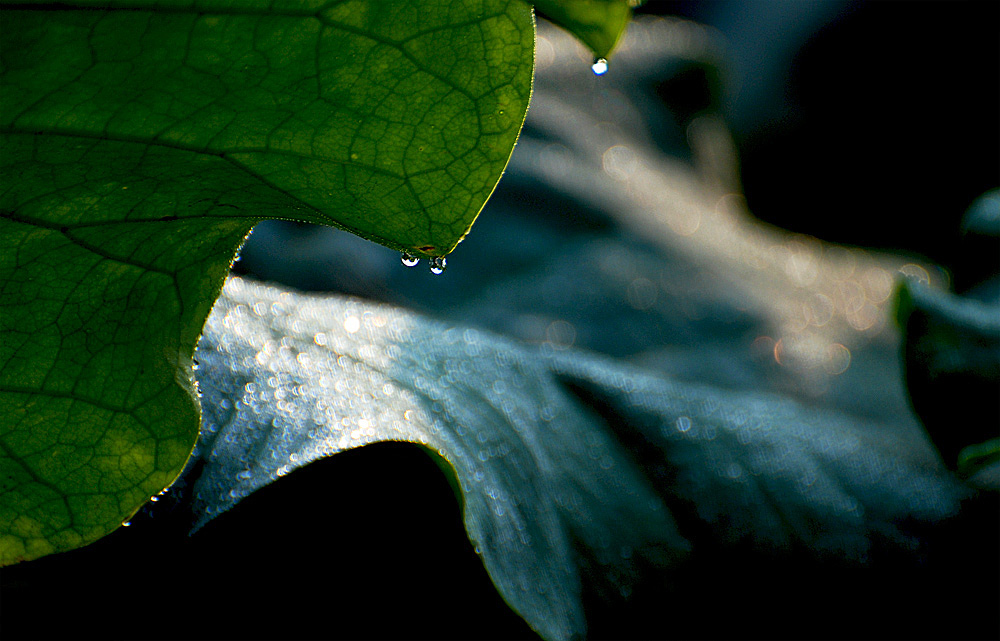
843, 108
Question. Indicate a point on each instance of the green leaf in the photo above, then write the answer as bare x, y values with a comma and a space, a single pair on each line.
983, 217
951, 352
977, 457
599, 24
140, 143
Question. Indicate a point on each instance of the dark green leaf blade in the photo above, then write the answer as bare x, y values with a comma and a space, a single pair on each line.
356, 110
141, 141
99, 319
599, 24
951, 350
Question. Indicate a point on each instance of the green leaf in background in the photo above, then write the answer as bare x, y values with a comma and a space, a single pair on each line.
599, 24
140, 143
952, 355
951, 349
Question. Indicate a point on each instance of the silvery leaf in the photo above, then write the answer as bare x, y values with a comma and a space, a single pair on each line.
573, 467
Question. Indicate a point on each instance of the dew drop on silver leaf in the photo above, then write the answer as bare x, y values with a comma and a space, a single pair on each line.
600, 66
438, 264
409, 259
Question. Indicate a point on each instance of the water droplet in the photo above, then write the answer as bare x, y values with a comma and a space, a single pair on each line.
154, 499
126, 523
600, 66
438, 265
409, 259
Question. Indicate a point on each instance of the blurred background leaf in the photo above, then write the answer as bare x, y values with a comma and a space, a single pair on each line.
579, 475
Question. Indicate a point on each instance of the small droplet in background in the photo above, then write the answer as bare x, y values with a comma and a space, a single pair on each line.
600, 66
438, 264
409, 259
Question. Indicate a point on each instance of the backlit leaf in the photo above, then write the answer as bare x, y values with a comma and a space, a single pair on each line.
140, 143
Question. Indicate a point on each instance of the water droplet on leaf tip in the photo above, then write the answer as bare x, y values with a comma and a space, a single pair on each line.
409, 259
600, 66
438, 265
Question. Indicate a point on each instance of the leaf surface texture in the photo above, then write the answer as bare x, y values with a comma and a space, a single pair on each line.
142, 140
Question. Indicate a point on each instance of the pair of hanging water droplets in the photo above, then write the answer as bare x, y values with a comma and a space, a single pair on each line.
438, 263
